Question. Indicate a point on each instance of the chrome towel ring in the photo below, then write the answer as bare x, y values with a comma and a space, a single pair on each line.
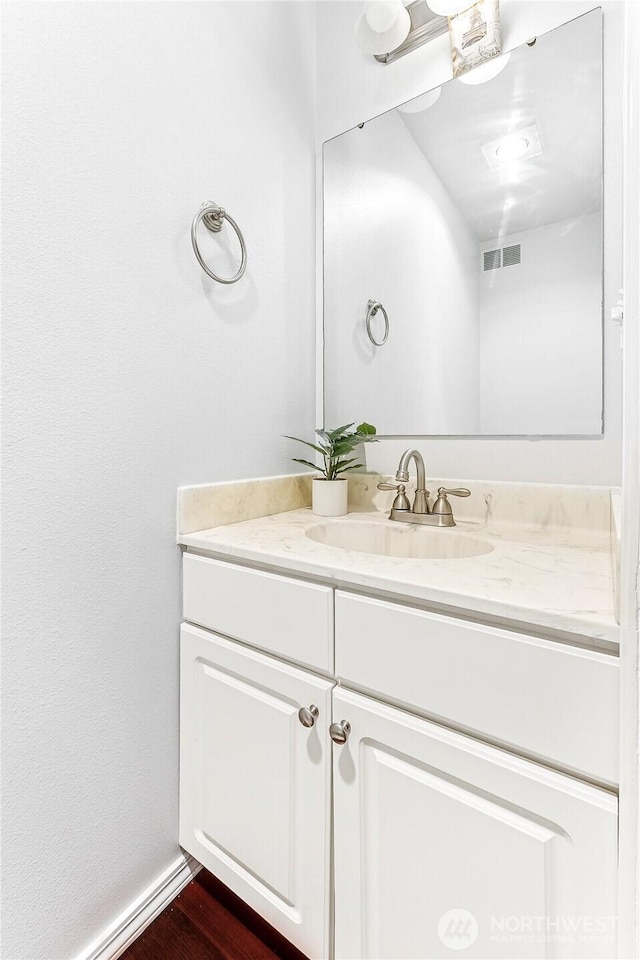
213, 217
372, 308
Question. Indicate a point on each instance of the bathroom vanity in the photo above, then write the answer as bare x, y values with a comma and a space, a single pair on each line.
403, 756
400, 740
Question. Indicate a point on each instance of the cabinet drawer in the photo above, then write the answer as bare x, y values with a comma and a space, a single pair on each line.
553, 701
287, 617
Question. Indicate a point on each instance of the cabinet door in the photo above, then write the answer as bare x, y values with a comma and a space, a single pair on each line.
445, 846
255, 783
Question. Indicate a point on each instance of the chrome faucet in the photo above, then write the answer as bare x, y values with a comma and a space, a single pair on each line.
441, 515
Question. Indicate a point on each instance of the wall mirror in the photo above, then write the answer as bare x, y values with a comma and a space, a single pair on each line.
473, 215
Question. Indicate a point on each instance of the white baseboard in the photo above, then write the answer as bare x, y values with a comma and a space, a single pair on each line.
120, 934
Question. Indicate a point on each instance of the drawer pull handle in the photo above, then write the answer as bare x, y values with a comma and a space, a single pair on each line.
339, 732
308, 715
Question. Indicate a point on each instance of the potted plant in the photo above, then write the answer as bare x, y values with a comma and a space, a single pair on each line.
329, 492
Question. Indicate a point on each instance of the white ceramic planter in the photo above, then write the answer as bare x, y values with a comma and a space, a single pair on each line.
329, 497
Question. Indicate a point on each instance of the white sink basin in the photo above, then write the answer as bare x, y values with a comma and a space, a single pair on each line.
413, 542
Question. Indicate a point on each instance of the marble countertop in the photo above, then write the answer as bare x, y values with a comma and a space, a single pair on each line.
532, 578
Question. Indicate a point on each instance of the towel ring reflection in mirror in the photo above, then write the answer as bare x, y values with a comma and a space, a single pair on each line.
372, 308
213, 217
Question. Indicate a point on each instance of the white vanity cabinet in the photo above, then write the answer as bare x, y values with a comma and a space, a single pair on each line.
442, 843
255, 800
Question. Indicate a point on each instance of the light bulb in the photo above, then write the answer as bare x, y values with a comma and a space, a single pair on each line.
383, 26
381, 16
486, 71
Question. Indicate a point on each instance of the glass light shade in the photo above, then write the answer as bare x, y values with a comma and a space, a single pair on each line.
486, 71
418, 104
381, 16
449, 8
383, 26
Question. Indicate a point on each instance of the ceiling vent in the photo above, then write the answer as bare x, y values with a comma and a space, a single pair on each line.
492, 260
496, 259
511, 255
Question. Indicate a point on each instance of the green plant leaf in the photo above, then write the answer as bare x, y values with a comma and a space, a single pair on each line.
306, 443
343, 447
308, 464
337, 433
366, 430
356, 466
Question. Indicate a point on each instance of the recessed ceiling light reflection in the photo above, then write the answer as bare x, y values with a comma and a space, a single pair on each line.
418, 104
512, 148
486, 71
506, 152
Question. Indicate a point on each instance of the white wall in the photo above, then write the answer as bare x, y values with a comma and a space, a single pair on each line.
128, 373
387, 219
353, 87
541, 333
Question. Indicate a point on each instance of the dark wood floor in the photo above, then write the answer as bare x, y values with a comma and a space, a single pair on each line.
208, 922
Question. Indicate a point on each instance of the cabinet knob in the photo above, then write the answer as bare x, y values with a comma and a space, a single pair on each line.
339, 732
308, 715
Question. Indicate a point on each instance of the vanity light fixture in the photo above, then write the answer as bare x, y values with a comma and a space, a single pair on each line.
389, 29
519, 145
384, 30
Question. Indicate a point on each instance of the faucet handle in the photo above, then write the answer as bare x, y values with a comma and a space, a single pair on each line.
401, 502
442, 507
456, 492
